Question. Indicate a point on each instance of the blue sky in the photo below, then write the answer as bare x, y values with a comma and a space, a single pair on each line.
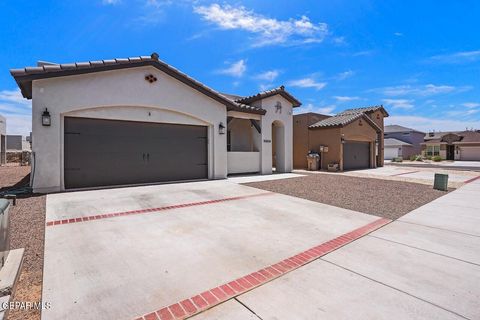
420, 59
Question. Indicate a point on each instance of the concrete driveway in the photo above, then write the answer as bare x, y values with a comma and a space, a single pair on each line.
131, 252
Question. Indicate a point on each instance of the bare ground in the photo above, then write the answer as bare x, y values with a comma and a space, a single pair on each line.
27, 228
383, 198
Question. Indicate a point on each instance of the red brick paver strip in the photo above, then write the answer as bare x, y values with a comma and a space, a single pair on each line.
149, 210
222, 293
401, 174
471, 180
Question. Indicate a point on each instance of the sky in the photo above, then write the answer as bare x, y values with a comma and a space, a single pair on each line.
420, 59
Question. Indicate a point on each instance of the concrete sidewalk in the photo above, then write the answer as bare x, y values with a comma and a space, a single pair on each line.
425, 265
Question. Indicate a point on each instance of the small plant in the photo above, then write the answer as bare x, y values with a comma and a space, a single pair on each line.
413, 157
418, 158
437, 158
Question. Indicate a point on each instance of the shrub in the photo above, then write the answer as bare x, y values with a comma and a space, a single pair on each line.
437, 158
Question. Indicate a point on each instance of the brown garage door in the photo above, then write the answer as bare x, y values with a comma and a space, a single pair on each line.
356, 155
108, 152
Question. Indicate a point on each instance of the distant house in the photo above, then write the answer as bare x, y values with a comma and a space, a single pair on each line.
3, 140
354, 138
402, 142
454, 145
17, 143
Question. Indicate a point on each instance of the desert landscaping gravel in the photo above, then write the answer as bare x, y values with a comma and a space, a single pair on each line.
27, 228
383, 198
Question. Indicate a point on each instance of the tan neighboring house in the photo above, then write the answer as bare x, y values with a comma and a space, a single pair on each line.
353, 139
456, 145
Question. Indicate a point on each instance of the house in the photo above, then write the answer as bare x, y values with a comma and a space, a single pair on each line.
353, 138
454, 145
17, 143
3, 140
402, 142
139, 120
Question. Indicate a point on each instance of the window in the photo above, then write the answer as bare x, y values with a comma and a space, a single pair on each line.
433, 151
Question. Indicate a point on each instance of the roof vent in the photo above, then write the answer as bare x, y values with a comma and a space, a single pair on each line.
154, 56
431, 134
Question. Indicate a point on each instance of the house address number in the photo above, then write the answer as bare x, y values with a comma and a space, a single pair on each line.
267, 141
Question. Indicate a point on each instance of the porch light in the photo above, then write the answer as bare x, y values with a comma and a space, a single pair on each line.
46, 119
221, 128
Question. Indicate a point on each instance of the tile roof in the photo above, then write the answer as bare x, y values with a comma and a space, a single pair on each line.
364, 110
469, 136
396, 128
25, 76
337, 120
268, 93
395, 142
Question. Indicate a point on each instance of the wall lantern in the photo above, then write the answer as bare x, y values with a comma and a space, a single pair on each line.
342, 138
221, 128
46, 119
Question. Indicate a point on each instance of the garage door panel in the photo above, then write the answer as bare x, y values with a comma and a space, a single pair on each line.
470, 153
356, 155
108, 152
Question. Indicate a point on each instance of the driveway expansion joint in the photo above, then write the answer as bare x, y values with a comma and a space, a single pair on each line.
215, 296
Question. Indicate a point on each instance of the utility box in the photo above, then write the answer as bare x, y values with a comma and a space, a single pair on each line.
4, 230
440, 182
313, 161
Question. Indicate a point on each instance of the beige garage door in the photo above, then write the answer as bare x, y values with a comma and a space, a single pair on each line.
470, 153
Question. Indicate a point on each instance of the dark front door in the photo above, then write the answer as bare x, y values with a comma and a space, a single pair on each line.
101, 152
450, 152
356, 155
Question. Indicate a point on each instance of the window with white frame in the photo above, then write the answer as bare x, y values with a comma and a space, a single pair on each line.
433, 151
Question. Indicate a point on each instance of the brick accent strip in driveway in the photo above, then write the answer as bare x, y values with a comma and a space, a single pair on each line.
210, 298
150, 210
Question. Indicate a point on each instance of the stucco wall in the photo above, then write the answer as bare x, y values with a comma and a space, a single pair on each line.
326, 137
242, 135
119, 95
301, 122
3, 140
285, 117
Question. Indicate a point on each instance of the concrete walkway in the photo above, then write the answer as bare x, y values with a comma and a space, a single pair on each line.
425, 265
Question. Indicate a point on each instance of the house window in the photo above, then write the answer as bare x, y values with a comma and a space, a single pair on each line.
433, 151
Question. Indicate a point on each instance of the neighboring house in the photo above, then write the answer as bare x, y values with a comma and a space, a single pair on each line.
17, 143
402, 142
455, 145
3, 140
139, 120
354, 138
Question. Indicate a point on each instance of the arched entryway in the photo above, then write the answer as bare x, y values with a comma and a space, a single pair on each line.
278, 147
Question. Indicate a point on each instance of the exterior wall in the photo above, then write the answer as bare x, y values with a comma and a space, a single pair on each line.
118, 95
378, 118
328, 137
301, 122
14, 143
283, 117
3, 140
414, 138
243, 162
242, 135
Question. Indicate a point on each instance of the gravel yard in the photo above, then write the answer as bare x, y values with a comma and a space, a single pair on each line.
27, 221
383, 198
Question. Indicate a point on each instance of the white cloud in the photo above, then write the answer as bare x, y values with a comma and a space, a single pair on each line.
345, 98
236, 69
268, 75
268, 30
307, 83
363, 53
429, 124
339, 41
398, 34
17, 110
457, 57
422, 90
344, 75
14, 96
471, 104
399, 103
310, 107
111, 2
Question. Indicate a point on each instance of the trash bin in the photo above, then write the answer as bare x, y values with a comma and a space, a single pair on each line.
313, 161
440, 182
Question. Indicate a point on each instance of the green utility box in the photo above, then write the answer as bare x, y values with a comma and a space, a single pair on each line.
440, 182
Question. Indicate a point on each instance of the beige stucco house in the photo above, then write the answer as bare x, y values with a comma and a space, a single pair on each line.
455, 145
139, 120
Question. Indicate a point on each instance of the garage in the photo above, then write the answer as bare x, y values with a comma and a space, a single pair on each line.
392, 152
470, 153
356, 155
99, 152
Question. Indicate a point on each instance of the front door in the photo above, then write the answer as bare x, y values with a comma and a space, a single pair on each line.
450, 152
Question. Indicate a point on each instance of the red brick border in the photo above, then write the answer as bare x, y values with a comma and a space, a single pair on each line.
471, 180
210, 298
400, 174
150, 210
